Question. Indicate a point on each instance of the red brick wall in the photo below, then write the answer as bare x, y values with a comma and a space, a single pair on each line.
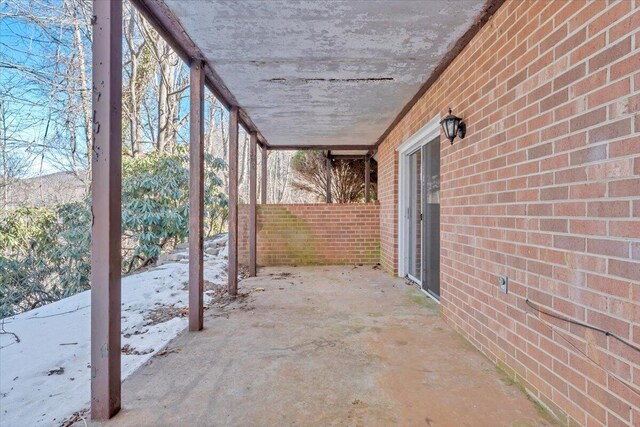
313, 234
545, 188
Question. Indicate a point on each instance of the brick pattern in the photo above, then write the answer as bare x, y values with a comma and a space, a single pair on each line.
546, 189
313, 234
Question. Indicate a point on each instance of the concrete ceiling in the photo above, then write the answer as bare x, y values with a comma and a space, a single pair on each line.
319, 72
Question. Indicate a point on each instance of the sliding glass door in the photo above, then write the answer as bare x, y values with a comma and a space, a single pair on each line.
431, 218
423, 216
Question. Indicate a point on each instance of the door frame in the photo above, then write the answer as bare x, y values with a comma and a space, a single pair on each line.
425, 134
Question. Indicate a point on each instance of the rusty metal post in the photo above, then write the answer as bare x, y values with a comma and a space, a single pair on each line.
106, 207
367, 178
328, 171
253, 177
263, 178
233, 202
196, 195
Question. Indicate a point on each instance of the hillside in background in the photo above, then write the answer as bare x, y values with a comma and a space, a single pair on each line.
45, 191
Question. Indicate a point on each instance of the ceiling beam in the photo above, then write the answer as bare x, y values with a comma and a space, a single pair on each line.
168, 26
366, 148
349, 156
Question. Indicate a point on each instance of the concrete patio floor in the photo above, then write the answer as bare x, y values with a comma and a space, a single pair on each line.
324, 346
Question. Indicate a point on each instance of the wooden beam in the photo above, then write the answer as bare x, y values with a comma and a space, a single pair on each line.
264, 175
253, 198
233, 202
347, 156
323, 147
106, 207
196, 196
367, 178
328, 171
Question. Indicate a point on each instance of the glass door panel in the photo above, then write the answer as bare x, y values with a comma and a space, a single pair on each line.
414, 215
431, 210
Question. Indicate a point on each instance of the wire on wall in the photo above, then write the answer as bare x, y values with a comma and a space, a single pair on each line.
537, 308
585, 325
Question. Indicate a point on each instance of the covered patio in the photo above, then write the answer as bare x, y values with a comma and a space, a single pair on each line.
329, 346
525, 230
330, 77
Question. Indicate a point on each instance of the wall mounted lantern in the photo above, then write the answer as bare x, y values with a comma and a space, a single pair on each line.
453, 126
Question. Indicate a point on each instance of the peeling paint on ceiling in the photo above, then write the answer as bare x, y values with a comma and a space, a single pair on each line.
319, 72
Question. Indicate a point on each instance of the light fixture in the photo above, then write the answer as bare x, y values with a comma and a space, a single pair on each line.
453, 126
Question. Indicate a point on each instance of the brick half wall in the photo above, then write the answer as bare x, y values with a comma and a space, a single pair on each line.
313, 234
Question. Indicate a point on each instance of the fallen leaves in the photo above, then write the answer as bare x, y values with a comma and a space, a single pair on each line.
127, 349
167, 351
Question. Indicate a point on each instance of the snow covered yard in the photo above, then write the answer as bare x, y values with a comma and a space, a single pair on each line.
45, 372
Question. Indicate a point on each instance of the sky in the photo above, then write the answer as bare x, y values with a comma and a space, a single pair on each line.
36, 89
28, 87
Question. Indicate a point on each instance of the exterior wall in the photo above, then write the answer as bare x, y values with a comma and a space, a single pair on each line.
545, 188
313, 234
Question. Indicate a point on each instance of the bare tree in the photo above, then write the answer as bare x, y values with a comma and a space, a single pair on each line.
213, 127
80, 10
49, 62
278, 182
46, 86
12, 166
139, 72
347, 181
243, 166
172, 81
309, 169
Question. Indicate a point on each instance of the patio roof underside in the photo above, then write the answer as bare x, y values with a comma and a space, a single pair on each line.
324, 73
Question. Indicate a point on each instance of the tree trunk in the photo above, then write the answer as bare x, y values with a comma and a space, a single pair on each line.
85, 86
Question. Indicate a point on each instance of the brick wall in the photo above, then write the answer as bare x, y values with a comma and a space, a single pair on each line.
313, 234
546, 189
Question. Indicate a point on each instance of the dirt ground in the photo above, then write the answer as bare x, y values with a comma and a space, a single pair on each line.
324, 346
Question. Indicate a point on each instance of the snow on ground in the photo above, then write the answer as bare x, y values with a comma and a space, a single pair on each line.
45, 377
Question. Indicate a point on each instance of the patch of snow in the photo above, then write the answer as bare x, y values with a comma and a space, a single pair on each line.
45, 377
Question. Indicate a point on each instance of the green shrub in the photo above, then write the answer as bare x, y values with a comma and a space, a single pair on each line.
45, 252
44, 255
155, 204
